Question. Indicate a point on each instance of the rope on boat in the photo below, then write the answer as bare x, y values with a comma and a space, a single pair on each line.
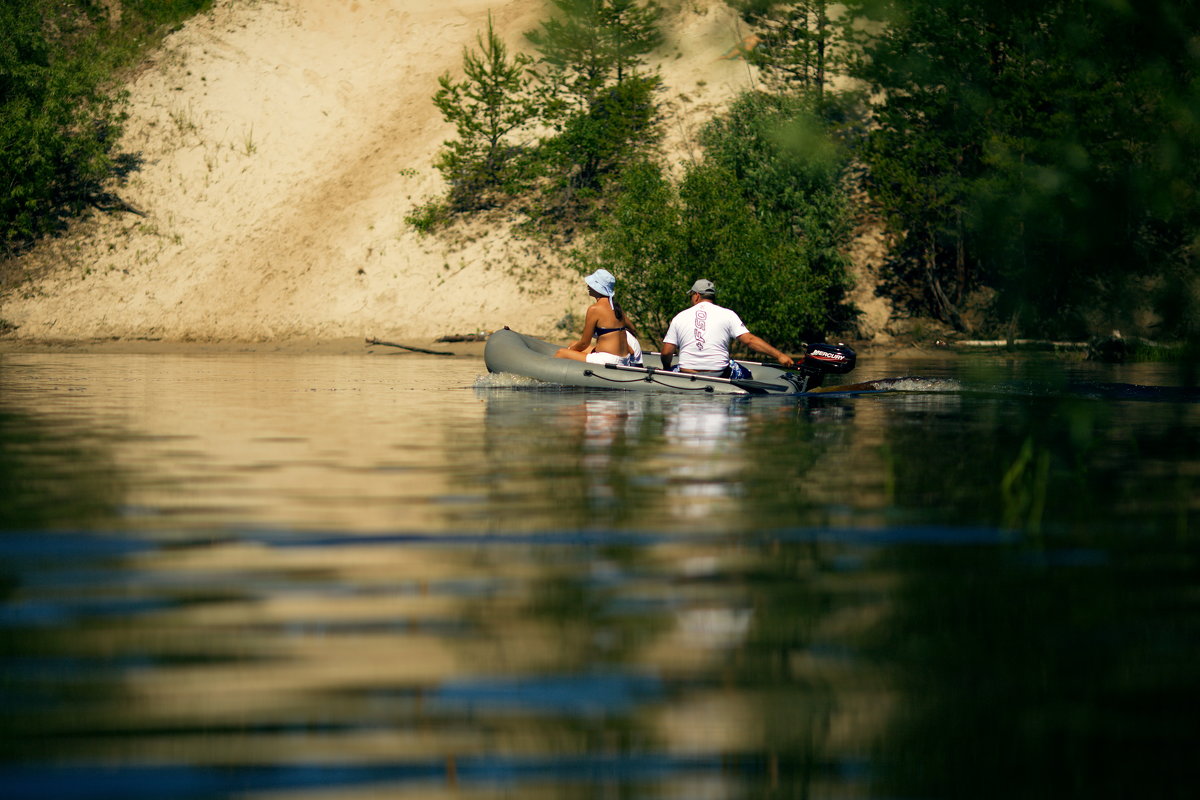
648, 379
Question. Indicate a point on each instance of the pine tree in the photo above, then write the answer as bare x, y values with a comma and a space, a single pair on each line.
601, 106
591, 45
488, 108
1038, 149
798, 42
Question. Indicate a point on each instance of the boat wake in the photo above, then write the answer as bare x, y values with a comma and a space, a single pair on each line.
918, 385
506, 380
906, 384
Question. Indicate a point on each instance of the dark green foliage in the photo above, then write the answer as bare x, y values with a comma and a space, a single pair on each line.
790, 167
487, 109
762, 216
56, 125
592, 44
59, 115
761, 274
602, 109
618, 125
149, 15
797, 41
641, 241
1045, 149
659, 239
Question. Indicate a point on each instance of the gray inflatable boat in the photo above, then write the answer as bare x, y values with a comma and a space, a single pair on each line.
520, 354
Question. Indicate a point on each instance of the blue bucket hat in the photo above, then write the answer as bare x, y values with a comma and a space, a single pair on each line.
602, 281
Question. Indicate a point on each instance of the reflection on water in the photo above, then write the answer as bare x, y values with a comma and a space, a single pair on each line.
261, 576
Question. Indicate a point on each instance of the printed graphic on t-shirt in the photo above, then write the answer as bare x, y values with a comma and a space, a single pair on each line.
701, 318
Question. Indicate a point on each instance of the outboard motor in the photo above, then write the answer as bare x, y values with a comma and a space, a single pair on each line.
821, 360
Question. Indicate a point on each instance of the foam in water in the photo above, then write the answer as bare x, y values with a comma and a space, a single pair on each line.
915, 384
505, 380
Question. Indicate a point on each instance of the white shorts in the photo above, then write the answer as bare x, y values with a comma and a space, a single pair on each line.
607, 358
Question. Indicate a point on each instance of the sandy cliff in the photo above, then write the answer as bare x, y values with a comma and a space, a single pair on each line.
284, 141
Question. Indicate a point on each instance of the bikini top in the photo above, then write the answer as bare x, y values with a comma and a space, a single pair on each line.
602, 331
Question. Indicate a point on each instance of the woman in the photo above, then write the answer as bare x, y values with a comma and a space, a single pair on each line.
605, 322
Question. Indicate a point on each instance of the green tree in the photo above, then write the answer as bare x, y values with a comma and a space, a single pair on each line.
633, 31
57, 125
797, 42
761, 274
492, 104
787, 161
619, 126
658, 239
764, 214
1037, 148
61, 111
591, 44
641, 241
601, 107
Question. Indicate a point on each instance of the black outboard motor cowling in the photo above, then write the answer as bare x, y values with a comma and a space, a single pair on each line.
831, 359
821, 360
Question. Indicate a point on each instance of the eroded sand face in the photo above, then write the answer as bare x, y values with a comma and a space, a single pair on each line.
284, 142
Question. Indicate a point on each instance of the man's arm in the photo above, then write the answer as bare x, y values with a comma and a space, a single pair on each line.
760, 346
667, 354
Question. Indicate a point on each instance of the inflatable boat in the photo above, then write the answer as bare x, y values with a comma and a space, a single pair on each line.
520, 354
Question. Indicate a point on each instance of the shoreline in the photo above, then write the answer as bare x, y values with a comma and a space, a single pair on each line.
353, 346
335, 347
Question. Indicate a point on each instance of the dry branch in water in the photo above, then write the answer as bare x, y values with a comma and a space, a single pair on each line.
407, 347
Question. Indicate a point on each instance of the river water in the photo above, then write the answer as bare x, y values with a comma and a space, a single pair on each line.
263, 576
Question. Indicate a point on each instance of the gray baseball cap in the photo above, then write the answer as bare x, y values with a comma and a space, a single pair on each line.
703, 286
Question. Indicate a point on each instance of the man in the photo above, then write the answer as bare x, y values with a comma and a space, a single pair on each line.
701, 335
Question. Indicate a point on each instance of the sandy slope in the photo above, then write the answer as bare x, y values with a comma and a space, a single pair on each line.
284, 141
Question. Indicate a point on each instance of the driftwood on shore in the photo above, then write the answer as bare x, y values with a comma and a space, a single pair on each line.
1115, 348
382, 343
463, 337
1042, 343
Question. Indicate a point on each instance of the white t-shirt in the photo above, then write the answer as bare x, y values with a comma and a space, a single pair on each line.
703, 333
635, 348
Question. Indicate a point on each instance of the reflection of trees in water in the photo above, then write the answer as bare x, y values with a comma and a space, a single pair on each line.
754, 637
564, 460
739, 635
1019, 678
1060, 664
54, 481
54, 477
794, 702
803, 462
584, 460
1051, 660
1045, 464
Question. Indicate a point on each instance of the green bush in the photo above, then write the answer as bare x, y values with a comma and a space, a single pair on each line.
429, 217
596, 144
659, 239
489, 109
788, 163
763, 215
641, 242
60, 113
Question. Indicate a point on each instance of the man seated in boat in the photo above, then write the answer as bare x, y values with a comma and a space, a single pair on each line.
605, 322
701, 335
